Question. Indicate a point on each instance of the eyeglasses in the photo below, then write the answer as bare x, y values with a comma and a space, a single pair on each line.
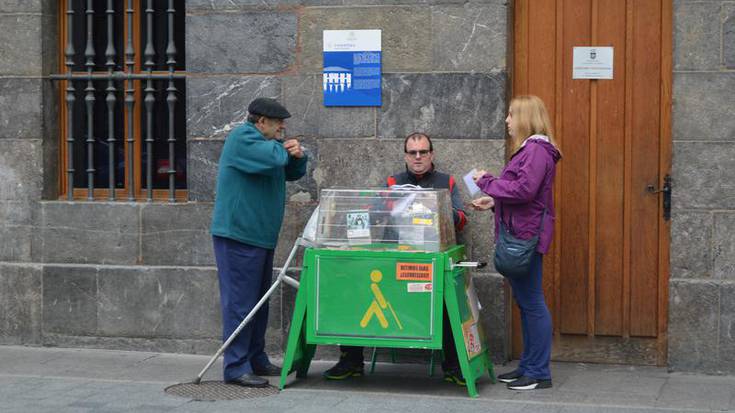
422, 152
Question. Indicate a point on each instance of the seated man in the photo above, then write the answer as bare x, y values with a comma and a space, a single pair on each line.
419, 156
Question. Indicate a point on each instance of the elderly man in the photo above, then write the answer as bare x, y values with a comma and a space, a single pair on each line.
248, 212
419, 156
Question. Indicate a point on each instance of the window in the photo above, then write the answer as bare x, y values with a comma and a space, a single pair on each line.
123, 97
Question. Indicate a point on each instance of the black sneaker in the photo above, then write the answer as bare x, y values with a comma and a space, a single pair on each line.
344, 369
511, 376
455, 376
528, 383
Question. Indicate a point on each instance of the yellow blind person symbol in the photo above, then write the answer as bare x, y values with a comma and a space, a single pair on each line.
378, 304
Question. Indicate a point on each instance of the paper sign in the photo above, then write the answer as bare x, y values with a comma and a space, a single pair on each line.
352, 67
471, 339
423, 221
592, 63
419, 287
472, 301
472, 188
413, 271
358, 224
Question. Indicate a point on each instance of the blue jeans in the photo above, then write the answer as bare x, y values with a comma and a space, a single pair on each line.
535, 322
245, 274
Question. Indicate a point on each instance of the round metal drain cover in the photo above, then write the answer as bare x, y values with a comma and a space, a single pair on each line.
218, 390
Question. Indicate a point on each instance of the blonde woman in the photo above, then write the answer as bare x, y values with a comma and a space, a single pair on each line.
522, 198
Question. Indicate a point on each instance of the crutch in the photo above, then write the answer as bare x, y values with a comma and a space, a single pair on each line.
281, 277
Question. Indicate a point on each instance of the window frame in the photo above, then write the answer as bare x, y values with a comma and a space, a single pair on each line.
121, 194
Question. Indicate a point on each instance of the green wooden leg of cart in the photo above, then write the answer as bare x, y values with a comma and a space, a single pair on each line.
472, 367
298, 353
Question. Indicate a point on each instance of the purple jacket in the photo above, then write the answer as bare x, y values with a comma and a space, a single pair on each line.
524, 187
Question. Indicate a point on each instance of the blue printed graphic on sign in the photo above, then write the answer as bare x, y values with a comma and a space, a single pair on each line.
352, 78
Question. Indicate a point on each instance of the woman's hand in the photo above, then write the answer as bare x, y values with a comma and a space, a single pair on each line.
483, 204
479, 174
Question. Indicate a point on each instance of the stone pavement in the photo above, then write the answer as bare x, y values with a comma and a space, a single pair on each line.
83, 380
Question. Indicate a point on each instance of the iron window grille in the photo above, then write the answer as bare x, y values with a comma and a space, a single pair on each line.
122, 114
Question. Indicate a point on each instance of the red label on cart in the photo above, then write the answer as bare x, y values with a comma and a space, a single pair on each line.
412, 271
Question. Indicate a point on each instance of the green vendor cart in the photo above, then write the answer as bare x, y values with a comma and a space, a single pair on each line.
383, 266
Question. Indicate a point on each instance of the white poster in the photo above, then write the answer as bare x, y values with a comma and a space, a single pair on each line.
592, 63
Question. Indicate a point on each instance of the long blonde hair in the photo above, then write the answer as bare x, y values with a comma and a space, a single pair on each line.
531, 118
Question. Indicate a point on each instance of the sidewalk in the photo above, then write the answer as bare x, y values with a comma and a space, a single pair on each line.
81, 380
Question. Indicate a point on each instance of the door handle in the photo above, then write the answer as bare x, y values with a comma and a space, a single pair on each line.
666, 190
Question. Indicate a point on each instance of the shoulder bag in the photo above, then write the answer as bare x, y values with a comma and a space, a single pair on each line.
512, 254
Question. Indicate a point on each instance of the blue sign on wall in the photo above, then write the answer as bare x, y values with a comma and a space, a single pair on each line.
352, 68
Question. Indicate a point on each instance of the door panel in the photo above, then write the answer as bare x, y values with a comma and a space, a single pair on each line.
606, 277
646, 111
609, 182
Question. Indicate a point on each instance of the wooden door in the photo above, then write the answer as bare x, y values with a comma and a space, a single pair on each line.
606, 278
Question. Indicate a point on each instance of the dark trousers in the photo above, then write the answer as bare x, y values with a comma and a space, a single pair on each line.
245, 275
354, 354
535, 322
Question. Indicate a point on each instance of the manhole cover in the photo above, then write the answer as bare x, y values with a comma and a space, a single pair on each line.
217, 390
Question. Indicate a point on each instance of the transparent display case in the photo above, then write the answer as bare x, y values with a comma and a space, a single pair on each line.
397, 219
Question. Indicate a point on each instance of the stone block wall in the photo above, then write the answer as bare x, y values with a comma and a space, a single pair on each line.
141, 276
28, 28
702, 304
444, 72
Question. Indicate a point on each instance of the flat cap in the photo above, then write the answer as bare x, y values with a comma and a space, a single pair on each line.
269, 108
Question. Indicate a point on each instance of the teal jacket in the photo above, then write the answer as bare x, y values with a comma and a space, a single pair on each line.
251, 187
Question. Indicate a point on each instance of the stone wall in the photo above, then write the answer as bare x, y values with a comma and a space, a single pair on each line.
141, 276
702, 288
444, 73
26, 117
